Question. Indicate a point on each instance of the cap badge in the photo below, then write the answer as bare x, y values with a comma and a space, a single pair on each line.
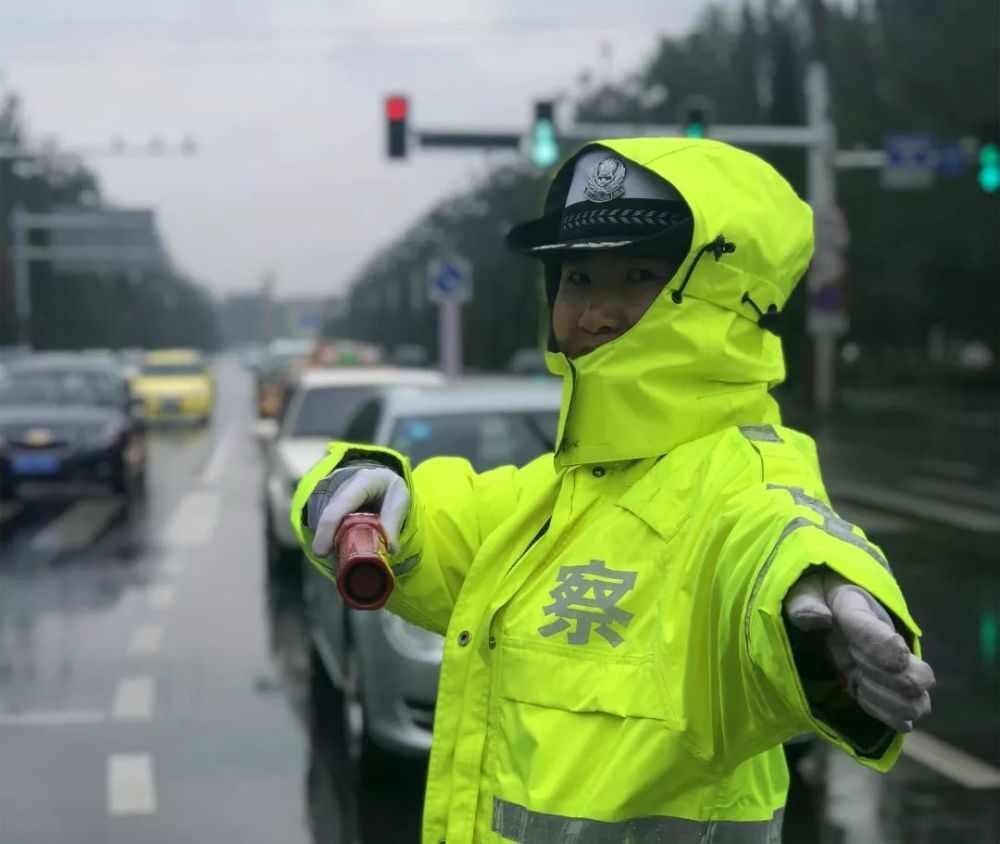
606, 180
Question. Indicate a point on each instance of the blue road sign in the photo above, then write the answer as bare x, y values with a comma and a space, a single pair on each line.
449, 280
951, 161
910, 160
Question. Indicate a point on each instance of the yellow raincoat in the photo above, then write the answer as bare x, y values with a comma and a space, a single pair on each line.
616, 666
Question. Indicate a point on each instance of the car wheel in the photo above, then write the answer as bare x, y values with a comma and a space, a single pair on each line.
8, 489
120, 481
326, 710
373, 763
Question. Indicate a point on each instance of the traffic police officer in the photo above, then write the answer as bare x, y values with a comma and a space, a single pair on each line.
635, 623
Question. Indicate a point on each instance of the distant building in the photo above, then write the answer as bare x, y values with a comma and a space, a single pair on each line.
255, 318
243, 318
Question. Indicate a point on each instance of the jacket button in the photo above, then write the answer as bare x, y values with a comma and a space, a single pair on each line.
599, 472
464, 637
493, 642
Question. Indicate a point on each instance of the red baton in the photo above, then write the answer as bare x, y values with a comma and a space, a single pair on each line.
364, 579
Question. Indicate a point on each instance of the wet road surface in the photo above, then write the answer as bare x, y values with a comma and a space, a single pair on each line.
154, 686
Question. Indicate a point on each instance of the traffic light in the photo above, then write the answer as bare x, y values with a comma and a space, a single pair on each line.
989, 167
694, 114
694, 123
544, 143
396, 110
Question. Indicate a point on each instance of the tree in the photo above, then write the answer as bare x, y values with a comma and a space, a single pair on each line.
87, 308
916, 260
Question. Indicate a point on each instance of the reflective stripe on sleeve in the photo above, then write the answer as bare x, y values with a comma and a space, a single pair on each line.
833, 524
788, 530
760, 433
516, 823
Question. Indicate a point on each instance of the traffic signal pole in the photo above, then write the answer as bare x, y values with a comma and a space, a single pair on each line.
817, 138
821, 193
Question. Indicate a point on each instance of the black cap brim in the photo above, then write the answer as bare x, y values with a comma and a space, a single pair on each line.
540, 239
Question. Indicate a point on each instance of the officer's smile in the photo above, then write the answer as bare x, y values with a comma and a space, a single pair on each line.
601, 297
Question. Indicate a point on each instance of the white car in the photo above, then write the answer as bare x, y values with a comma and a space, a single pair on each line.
320, 403
374, 676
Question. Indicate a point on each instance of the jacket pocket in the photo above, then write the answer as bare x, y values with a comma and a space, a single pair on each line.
555, 679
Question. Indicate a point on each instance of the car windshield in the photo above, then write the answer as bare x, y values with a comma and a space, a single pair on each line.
486, 440
170, 369
68, 387
324, 412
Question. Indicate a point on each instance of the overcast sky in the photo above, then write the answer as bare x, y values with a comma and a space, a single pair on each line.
284, 98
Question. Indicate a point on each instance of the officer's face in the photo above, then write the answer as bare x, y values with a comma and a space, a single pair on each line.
602, 296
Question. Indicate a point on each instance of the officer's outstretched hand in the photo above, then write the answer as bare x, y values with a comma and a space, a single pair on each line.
886, 679
364, 485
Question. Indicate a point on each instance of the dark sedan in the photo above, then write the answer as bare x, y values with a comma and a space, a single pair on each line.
67, 418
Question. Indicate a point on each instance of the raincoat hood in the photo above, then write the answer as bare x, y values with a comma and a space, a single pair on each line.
698, 360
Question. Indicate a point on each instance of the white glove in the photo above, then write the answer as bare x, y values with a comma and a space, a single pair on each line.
886, 679
349, 489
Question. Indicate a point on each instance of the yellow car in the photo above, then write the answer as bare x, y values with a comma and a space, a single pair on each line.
175, 384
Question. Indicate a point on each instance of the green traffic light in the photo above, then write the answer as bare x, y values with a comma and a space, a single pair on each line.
989, 168
544, 145
694, 130
988, 637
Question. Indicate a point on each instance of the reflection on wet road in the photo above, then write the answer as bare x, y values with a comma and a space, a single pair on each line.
155, 686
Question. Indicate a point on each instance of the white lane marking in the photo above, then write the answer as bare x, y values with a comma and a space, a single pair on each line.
133, 699
9, 509
220, 454
131, 788
951, 468
78, 526
950, 762
872, 522
984, 497
145, 640
925, 509
54, 718
193, 522
160, 596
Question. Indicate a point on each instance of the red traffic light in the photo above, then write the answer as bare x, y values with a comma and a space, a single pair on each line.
396, 108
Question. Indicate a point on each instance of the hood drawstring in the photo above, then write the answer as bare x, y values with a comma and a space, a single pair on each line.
769, 320
718, 247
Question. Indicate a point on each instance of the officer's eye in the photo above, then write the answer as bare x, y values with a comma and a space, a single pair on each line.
640, 275
576, 277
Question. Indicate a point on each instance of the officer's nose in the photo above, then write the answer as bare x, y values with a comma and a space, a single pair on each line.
601, 315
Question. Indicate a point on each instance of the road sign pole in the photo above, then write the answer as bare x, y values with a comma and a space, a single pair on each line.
22, 279
449, 283
450, 337
821, 194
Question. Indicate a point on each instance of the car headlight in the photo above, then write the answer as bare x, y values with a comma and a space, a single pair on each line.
105, 435
411, 640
